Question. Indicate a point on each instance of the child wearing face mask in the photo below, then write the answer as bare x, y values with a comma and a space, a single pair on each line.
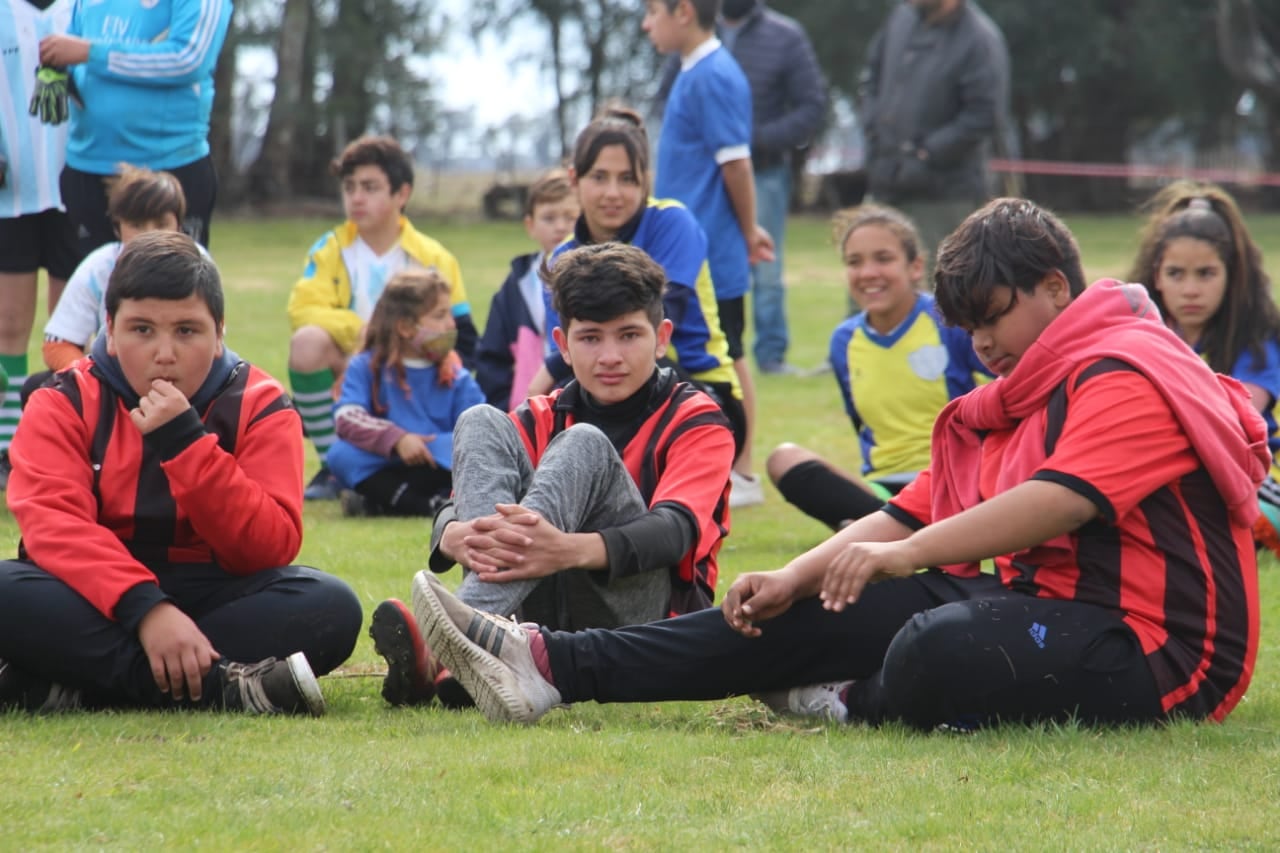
401, 396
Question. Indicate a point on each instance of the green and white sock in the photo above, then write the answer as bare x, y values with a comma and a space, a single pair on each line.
14, 369
313, 397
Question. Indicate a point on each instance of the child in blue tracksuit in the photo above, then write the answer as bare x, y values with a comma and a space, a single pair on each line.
401, 396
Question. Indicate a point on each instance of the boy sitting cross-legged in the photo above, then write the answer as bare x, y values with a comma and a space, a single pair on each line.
600, 504
157, 484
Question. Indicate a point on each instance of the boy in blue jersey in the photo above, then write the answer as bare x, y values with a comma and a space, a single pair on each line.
35, 232
704, 161
144, 72
345, 274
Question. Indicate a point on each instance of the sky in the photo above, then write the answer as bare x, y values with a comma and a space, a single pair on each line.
484, 76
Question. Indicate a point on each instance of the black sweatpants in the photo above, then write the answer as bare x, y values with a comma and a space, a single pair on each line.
85, 196
407, 489
925, 650
50, 631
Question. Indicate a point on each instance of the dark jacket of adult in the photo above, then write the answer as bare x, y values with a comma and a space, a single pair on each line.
932, 95
788, 91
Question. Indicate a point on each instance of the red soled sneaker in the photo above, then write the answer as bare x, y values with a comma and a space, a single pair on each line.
411, 668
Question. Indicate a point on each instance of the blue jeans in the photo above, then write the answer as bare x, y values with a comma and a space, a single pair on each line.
769, 306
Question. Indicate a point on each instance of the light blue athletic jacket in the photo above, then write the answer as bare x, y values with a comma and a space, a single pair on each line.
148, 85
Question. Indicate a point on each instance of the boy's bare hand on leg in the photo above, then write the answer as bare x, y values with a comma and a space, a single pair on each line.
179, 652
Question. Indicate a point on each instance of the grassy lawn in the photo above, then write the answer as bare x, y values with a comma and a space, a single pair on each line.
670, 776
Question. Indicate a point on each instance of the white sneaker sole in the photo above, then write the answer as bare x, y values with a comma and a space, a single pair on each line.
305, 679
492, 683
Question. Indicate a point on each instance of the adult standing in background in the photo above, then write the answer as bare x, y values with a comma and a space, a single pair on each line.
35, 232
144, 73
789, 104
934, 88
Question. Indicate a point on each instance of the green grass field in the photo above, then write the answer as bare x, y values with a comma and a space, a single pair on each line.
673, 776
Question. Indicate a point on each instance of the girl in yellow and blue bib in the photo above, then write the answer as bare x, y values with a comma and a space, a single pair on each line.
896, 365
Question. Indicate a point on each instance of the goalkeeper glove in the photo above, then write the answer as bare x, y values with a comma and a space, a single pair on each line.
49, 102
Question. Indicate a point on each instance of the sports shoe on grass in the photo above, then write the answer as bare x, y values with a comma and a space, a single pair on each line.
272, 686
323, 486
411, 668
816, 700
18, 690
746, 491
6, 468
490, 656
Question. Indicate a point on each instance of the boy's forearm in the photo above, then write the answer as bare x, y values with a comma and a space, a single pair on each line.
809, 568
1029, 514
740, 184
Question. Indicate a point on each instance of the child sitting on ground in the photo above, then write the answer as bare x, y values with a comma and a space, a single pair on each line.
158, 488
1108, 471
896, 364
401, 396
1205, 273
515, 339
603, 503
345, 273
139, 200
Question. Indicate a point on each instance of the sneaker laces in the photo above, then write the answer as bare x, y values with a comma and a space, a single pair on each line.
248, 678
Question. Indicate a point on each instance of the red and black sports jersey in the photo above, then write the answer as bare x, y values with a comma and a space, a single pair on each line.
96, 504
680, 453
1164, 551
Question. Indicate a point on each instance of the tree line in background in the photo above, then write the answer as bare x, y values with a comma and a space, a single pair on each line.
1091, 79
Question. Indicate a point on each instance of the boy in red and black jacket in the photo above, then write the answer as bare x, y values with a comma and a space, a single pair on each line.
600, 504
157, 486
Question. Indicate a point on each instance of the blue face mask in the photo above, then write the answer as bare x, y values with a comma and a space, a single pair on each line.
434, 346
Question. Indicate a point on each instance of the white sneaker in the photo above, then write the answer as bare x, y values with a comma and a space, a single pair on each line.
816, 700
745, 491
490, 656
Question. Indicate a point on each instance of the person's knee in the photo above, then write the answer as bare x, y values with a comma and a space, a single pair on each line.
922, 662
784, 457
336, 613
311, 349
582, 441
480, 419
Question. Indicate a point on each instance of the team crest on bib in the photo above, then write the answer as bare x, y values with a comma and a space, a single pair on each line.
928, 362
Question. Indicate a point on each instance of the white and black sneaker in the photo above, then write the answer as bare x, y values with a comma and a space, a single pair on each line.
489, 655
816, 700
272, 686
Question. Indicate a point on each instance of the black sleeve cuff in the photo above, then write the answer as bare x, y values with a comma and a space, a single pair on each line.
902, 516
176, 436
137, 603
659, 539
437, 560
1081, 487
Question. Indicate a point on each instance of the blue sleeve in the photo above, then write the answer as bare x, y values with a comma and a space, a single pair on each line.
677, 242
962, 361
725, 111
357, 384
185, 53
839, 356
1265, 373
466, 393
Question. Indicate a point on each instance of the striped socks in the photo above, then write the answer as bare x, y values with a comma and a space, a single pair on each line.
313, 397
13, 372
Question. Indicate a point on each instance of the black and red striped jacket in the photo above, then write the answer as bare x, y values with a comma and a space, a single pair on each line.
97, 502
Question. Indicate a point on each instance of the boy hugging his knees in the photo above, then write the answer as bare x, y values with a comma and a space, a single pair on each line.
158, 487
601, 504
